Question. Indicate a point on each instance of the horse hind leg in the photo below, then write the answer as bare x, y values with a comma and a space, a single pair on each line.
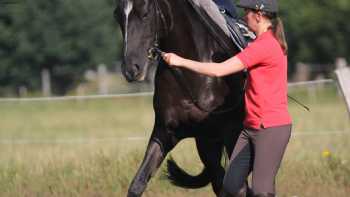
210, 152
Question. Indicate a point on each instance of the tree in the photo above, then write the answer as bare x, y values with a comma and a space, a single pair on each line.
66, 37
317, 30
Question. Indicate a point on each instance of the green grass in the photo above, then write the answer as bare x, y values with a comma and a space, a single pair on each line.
78, 148
94, 118
328, 111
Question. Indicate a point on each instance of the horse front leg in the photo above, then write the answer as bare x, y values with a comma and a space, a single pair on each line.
157, 149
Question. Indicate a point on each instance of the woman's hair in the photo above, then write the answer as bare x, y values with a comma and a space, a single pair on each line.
278, 30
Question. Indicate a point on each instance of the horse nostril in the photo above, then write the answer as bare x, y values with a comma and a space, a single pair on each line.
132, 72
136, 68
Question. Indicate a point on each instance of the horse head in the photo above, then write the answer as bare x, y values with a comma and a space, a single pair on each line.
138, 25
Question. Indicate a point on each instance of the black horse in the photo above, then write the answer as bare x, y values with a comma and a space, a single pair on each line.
186, 104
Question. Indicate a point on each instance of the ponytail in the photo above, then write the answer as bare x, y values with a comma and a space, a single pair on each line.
278, 30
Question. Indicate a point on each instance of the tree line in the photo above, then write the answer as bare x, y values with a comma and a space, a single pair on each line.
67, 37
64, 36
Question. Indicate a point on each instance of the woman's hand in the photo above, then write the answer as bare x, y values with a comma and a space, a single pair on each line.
173, 59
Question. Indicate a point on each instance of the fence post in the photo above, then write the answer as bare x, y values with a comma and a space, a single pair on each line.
302, 72
23, 91
45, 82
343, 77
102, 79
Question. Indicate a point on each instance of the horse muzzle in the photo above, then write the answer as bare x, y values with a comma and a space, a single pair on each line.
133, 72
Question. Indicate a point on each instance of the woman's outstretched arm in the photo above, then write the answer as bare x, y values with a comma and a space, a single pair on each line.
212, 69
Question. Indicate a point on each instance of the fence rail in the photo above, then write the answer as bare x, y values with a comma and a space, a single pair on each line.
87, 97
141, 94
144, 138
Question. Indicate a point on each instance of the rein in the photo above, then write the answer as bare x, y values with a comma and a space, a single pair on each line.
155, 53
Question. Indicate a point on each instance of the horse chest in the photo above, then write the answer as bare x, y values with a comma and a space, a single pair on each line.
191, 113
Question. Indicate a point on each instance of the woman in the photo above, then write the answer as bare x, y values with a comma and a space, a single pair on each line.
267, 125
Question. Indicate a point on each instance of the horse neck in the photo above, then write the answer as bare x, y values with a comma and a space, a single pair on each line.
187, 36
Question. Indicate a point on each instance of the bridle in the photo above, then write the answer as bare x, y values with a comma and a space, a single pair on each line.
155, 53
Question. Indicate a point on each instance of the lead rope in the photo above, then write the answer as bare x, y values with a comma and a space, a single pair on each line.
299, 103
155, 53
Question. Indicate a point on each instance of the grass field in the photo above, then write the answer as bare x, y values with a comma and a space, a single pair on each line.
80, 148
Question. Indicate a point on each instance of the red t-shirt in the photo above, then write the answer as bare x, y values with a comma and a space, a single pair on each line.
266, 92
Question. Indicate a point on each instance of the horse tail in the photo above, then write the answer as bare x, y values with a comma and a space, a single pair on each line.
180, 178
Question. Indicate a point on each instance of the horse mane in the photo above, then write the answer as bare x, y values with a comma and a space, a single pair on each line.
209, 8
